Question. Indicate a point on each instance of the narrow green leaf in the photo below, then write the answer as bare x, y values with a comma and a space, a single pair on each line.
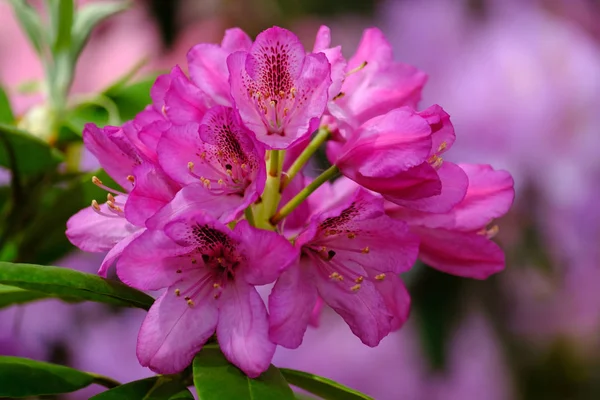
215, 379
63, 11
88, 17
10, 295
32, 155
322, 387
131, 99
21, 377
154, 388
6, 114
64, 282
30, 22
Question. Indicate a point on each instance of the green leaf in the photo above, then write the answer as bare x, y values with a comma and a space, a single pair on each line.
322, 387
61, 15
155, 388
21, 377
71, 284
6, 114
31, 154
131, 99
10, 295
215, 379
88, 17
30, 22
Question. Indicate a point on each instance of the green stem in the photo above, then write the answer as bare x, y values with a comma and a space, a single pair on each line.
249, 216
105, 381
321, 136
271, 194
304, 193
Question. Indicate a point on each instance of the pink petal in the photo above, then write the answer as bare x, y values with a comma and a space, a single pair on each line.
323, 39
196, 197
183, 230
116, 252
173, 332
364, 311
113, 150
152, 190
291, 304
151, 261
443, 135
459, 253
184, 101
387, 145
243, 329
454, 187
490, 195
396, 298
236, 39
177, 147
259, 269
208, 70
93, 232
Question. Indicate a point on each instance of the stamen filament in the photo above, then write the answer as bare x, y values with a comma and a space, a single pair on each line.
304, 193
321, 136
99, 183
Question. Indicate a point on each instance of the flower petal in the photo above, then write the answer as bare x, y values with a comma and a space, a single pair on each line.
177, 147
395, 296
208, 70
291, 305
243, 329
459, 253
93, 232
184, 101
152, 190
116, 252
236, 39
267, 253
173, 332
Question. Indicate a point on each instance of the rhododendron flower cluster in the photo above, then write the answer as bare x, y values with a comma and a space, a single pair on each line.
216, 198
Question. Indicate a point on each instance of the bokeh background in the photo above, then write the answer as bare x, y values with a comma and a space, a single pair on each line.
521, 81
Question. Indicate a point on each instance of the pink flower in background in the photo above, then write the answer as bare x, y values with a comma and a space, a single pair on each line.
209, 272
458, 242
351, 257
279, 91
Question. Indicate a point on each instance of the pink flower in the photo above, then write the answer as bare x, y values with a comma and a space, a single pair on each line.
208, 64
374, 83
398, 155
458, 242
279, 91
114, 224
209, 271
350, 257
217, 161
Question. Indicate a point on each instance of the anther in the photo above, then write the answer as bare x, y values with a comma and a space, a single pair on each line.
177, 292
293, 92
339, 96
489, 233
361, 66
131, 178
216, 285
216, 296
178, 271
336, 276
194, 261
351, 235
190, 166
110, 197
164, 110
365, 250
442, 147
96, 181
359, 279
380, 277
113, 206
190, 302
355, 287
95, 205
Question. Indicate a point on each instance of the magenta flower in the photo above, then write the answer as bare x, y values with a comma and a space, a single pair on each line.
374, 83
279, 91
351, 256
458, 242
398, 155
113, 225
208, 64
209, 272
218, 162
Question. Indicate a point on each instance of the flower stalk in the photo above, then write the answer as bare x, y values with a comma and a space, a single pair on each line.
286, 210
322, 135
